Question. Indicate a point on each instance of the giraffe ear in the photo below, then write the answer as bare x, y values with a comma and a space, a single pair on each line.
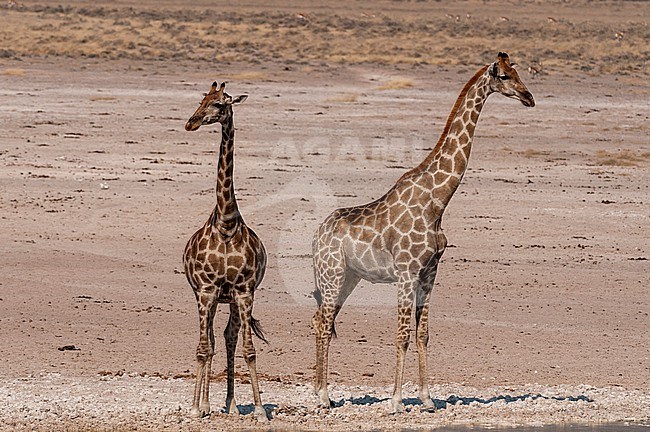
239, 99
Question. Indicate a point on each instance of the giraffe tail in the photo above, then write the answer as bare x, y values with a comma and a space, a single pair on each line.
318, 297
257, 329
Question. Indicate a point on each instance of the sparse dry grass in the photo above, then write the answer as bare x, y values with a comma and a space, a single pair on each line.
13, 72
418, 35
248, 76
396, 84
531, 153
344, 97
621, 158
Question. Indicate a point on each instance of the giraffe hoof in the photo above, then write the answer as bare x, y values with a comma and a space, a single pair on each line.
231, 408
198, 413
326, 404
398, 407
325, 401
428, 405
261, 415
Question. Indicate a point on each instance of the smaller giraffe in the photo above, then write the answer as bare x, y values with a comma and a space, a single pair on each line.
224, 263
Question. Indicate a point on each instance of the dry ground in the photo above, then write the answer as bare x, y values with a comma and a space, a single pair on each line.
541, 307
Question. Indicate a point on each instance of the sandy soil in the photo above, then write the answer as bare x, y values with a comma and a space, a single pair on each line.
540, 313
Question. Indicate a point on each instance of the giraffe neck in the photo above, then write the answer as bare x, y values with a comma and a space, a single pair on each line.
226, 214
447, 162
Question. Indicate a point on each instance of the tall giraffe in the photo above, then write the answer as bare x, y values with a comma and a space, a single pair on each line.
224, 263
397, 238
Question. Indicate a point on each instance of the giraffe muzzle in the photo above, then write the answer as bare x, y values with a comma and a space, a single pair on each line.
527, 99
193, 124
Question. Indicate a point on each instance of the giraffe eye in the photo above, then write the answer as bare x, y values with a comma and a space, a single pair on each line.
504, 77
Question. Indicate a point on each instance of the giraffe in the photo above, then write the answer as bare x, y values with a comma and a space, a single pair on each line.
398, 237
224, 262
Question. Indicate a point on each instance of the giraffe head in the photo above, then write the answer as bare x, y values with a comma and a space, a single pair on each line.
504, 79
216, 106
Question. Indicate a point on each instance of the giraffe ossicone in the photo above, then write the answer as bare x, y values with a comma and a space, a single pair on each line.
398, 237
224, 262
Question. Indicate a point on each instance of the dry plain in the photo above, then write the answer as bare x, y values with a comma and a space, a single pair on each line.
540, 312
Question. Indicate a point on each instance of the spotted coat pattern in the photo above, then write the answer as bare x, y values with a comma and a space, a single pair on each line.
224, 263
398, 238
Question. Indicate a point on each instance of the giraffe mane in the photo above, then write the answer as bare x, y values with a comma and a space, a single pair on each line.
445, 131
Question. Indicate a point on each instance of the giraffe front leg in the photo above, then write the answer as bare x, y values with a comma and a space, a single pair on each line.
205, 401
402, 344
200, 404
231, 334
198, 384
423, 299
204, 407
204, 352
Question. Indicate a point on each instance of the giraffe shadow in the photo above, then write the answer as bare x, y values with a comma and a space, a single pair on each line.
250, 408
459, 400
366, 400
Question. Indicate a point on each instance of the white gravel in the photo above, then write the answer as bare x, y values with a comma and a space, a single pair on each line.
55, 402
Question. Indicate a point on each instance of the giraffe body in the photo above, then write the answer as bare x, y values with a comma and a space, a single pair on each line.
224, 263
398, 237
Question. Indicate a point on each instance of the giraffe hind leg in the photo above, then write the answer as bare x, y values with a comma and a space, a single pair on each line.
231, 334
422, 341
336, 293
245, 306
316, 325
